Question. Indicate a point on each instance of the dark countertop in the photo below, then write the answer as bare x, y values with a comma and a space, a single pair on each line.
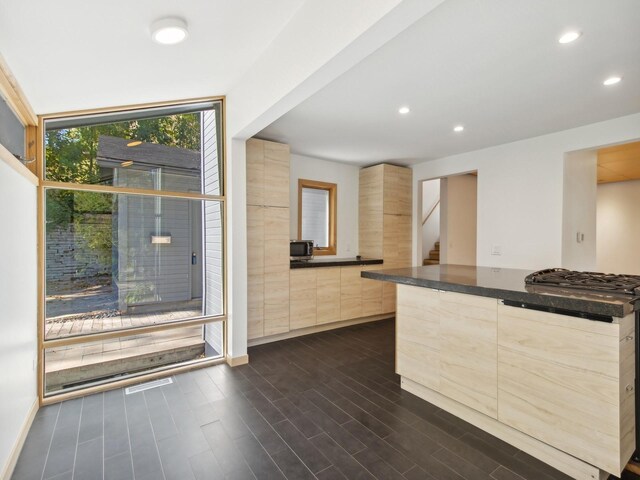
507, 284
335, 262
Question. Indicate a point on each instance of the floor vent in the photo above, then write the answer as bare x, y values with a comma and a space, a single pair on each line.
148, 386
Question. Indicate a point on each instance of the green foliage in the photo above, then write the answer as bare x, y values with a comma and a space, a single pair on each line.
71, 157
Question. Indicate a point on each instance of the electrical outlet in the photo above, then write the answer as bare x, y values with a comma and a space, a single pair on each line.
496, 250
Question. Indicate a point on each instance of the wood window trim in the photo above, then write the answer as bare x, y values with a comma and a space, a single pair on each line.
332, 188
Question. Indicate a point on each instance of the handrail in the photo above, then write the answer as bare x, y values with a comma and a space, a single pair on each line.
431, 211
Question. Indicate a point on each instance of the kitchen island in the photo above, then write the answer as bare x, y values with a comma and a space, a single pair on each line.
550, 371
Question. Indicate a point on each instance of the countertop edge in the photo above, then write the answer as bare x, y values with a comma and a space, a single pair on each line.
347, 262
535, 299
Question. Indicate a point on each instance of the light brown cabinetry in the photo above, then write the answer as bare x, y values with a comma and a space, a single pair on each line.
371, 293
302, 297
267, 238
350, 293
328, 294
418, 335
385, 220
567, 381
449, 341
469, 350
331, 294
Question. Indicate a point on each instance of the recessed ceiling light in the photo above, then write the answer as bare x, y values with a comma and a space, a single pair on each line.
169, 31
569, 37
458, 128
612, 80
404, 110
135, 143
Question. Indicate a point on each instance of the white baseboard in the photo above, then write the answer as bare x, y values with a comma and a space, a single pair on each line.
317, 329
10, 466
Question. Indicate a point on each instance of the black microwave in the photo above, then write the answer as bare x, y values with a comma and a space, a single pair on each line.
301, 249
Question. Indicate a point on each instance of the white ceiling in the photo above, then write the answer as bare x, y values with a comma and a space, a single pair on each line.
75, 54
493, 65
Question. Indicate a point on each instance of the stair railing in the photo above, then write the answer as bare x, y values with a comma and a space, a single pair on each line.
431, 211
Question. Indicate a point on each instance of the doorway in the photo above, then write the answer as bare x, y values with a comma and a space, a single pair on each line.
449, 220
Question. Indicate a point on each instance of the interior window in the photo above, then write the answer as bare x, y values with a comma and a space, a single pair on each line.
317, 215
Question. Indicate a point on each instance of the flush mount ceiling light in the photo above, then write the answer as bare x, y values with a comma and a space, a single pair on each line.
169, 31
569, 37
612, 80
458, 128
134, 143
404, 110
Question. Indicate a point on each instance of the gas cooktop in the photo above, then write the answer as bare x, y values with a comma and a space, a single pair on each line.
592, 281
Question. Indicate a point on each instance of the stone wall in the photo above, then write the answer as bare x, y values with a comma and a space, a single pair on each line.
75, 257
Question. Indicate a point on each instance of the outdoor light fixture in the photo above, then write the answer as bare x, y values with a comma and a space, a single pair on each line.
128, 163
135, 143
161, 239
169, 31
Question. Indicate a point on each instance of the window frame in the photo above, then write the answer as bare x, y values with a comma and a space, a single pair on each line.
332, 189
44, 185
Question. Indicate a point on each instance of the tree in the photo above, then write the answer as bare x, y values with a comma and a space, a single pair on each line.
71, 156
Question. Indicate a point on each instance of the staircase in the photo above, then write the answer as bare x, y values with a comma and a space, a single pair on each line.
434, 256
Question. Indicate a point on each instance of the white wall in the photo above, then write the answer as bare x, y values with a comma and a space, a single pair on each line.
520, 191
458, 219
618, 227
346, 177
579, 210
321, 42
431, 228
18, 306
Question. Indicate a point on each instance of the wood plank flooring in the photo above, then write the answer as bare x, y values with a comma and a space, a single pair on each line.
326, 406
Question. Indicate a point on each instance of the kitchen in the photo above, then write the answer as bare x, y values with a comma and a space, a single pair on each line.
517, 143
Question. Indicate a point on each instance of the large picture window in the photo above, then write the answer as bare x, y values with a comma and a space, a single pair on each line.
133, 210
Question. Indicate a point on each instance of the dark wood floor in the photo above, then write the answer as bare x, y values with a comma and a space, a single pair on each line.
326, 406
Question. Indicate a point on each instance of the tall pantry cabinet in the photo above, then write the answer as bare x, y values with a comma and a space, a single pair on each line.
385, 220
267, 238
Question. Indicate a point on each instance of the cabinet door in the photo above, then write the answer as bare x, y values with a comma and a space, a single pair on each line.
397, 190
255, 271
328, 295
397, 241
255, 172
370, 211
302, 297
559, 381
350, 293
276, 270
276, 175
388, 297
371, 293
417, 335
469, 351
